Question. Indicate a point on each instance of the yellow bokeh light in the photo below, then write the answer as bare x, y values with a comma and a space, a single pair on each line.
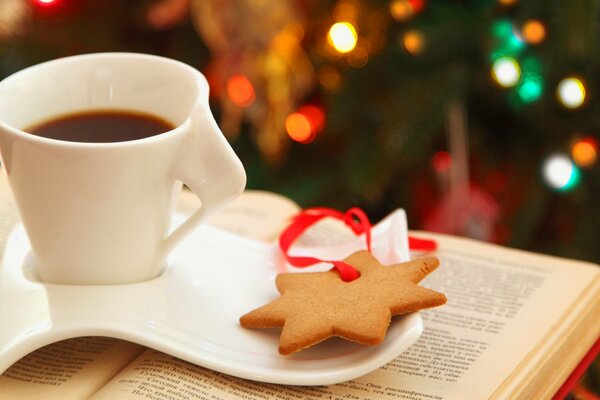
507, 2
533, 32
343, 37
571, 92
506, 71
401, 10
414, 42
584, 153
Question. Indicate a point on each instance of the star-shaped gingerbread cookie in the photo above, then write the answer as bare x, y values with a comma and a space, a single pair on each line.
317, 305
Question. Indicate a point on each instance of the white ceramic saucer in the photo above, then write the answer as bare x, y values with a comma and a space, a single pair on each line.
192, 310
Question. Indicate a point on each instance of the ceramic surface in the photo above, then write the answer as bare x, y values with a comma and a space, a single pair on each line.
191, 311
97, 213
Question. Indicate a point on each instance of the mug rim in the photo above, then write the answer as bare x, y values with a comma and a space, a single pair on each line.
199, 79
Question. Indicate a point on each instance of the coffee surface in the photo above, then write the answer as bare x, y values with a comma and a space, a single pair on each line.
102, 126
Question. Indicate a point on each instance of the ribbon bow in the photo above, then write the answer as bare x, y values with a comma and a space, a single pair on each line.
355, 218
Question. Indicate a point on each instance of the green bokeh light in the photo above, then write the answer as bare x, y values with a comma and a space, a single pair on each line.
513, 44
507, 44
530, 88
574, 180
502, 28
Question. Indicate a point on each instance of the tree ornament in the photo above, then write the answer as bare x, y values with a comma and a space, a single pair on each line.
270, 57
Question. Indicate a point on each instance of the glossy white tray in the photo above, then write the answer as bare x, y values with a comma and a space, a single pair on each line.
192, 310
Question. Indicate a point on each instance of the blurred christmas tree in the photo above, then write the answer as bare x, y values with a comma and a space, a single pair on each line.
480, 118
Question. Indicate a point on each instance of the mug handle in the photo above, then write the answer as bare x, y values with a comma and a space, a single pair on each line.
210, 168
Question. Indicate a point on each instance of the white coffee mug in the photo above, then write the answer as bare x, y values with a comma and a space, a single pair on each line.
99, 213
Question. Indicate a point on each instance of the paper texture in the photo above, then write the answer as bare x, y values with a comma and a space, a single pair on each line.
256, 215
71, 369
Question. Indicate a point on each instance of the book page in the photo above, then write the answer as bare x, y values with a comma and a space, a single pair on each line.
70, 369
254, 214
503, 305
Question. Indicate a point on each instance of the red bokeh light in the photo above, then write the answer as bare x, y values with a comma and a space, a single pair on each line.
315, 115
442, 161
417, 5
240, 90
304, 124
46, 3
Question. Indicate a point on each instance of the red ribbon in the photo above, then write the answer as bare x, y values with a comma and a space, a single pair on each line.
421, 244
355, 218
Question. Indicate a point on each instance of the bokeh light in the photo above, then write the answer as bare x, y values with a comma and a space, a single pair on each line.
502, 28
46, 2
442, 161
417, 5
304, 124
560, 173
414, 42
403, 10
507, 41
315, 115
585, 152
299, 128
533, 31
240, 90
530, 88
571, 92
343, 37
506, 71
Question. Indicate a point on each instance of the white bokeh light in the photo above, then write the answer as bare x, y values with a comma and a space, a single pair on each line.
506, 71
342, 36
557, 170
571, 92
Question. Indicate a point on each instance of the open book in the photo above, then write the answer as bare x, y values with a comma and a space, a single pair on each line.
515, 326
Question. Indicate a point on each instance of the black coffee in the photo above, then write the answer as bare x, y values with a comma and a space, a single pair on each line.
102, 127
